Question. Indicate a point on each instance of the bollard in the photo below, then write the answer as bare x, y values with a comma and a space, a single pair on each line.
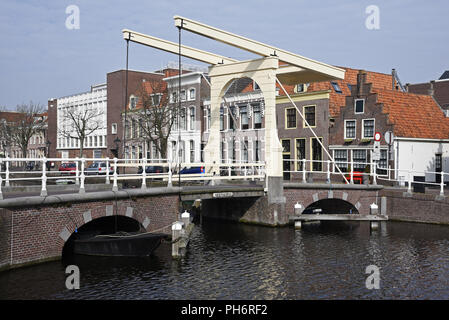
177, 233
442, 185
298, 209
374, 209
185, 218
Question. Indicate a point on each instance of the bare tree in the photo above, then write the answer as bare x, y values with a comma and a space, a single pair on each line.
156, 116
28, 122
80, 122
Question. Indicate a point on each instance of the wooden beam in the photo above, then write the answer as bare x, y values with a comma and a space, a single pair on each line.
172, 47
259, 48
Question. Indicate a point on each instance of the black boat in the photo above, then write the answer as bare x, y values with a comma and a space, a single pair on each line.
119, 244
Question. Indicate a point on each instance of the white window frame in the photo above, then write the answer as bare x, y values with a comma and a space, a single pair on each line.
355, 105
363, 128
194, 94
355, 129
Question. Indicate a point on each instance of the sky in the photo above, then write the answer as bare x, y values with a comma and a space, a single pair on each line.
41, 58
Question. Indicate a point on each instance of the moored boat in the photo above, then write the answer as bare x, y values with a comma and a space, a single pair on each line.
119, 244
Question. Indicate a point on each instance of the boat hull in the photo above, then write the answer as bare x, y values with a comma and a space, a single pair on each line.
119, 245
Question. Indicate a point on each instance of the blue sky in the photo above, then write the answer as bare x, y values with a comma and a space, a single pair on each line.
40, 58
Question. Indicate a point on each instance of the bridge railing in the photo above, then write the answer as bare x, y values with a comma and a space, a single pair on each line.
116, 170
356, 171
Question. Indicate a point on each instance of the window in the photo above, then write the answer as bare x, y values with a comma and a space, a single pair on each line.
309, 114
277, 91
183, 95
257, 150
300, 153
359, 105
155, 99
232, 114
192, 118
231, 150
336, 87
383, 162
222, 145
192, 151
349, 87
257, 117
209, 118
173, 97
192, 94
95, 141
245, 150
256, 86
244, 118
133, 102
100, 143
341, 159
368, 128
221, 119
290, 115
114, 128
317, 155
359, 159
97, 154
285, 145
300, 87
183, 119
350, 129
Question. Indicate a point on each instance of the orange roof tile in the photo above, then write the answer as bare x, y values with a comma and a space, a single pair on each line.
413, 115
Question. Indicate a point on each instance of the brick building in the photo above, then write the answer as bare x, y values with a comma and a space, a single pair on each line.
438, 89
420, 128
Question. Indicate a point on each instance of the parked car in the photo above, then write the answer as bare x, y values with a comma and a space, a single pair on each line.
98, 168
151, 169
192, 170
68, 167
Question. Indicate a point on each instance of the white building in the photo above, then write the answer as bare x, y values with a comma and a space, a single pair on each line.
93, 101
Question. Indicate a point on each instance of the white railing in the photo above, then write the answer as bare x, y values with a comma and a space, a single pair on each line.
115, 170
328, 167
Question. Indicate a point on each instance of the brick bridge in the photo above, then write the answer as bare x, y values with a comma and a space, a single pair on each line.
35, 229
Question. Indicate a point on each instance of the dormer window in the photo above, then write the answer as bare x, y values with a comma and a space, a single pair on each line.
300, 87
133, 102
336, 87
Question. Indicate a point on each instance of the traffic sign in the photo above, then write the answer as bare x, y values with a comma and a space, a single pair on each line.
389, 137
377, 136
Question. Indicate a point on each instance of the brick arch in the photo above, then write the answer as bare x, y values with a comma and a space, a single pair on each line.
101, 211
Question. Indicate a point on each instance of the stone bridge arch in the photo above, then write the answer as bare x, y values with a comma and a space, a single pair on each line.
360, 197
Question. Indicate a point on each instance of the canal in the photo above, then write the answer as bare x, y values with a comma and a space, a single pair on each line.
236, 261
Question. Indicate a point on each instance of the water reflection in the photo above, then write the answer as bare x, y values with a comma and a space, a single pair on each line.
234, 261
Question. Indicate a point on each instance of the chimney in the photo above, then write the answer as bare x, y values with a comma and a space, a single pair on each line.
431, 89
360, 81
393, 79
406, 87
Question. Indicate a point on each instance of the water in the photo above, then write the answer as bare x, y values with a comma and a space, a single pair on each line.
236, 261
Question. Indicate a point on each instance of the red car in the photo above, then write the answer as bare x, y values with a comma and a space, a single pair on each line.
68, 167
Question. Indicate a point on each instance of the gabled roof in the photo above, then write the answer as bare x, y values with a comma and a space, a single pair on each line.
445, 75
337, 100
413, 115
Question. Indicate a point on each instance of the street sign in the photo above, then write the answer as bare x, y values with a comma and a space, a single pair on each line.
389, 137
377, 136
